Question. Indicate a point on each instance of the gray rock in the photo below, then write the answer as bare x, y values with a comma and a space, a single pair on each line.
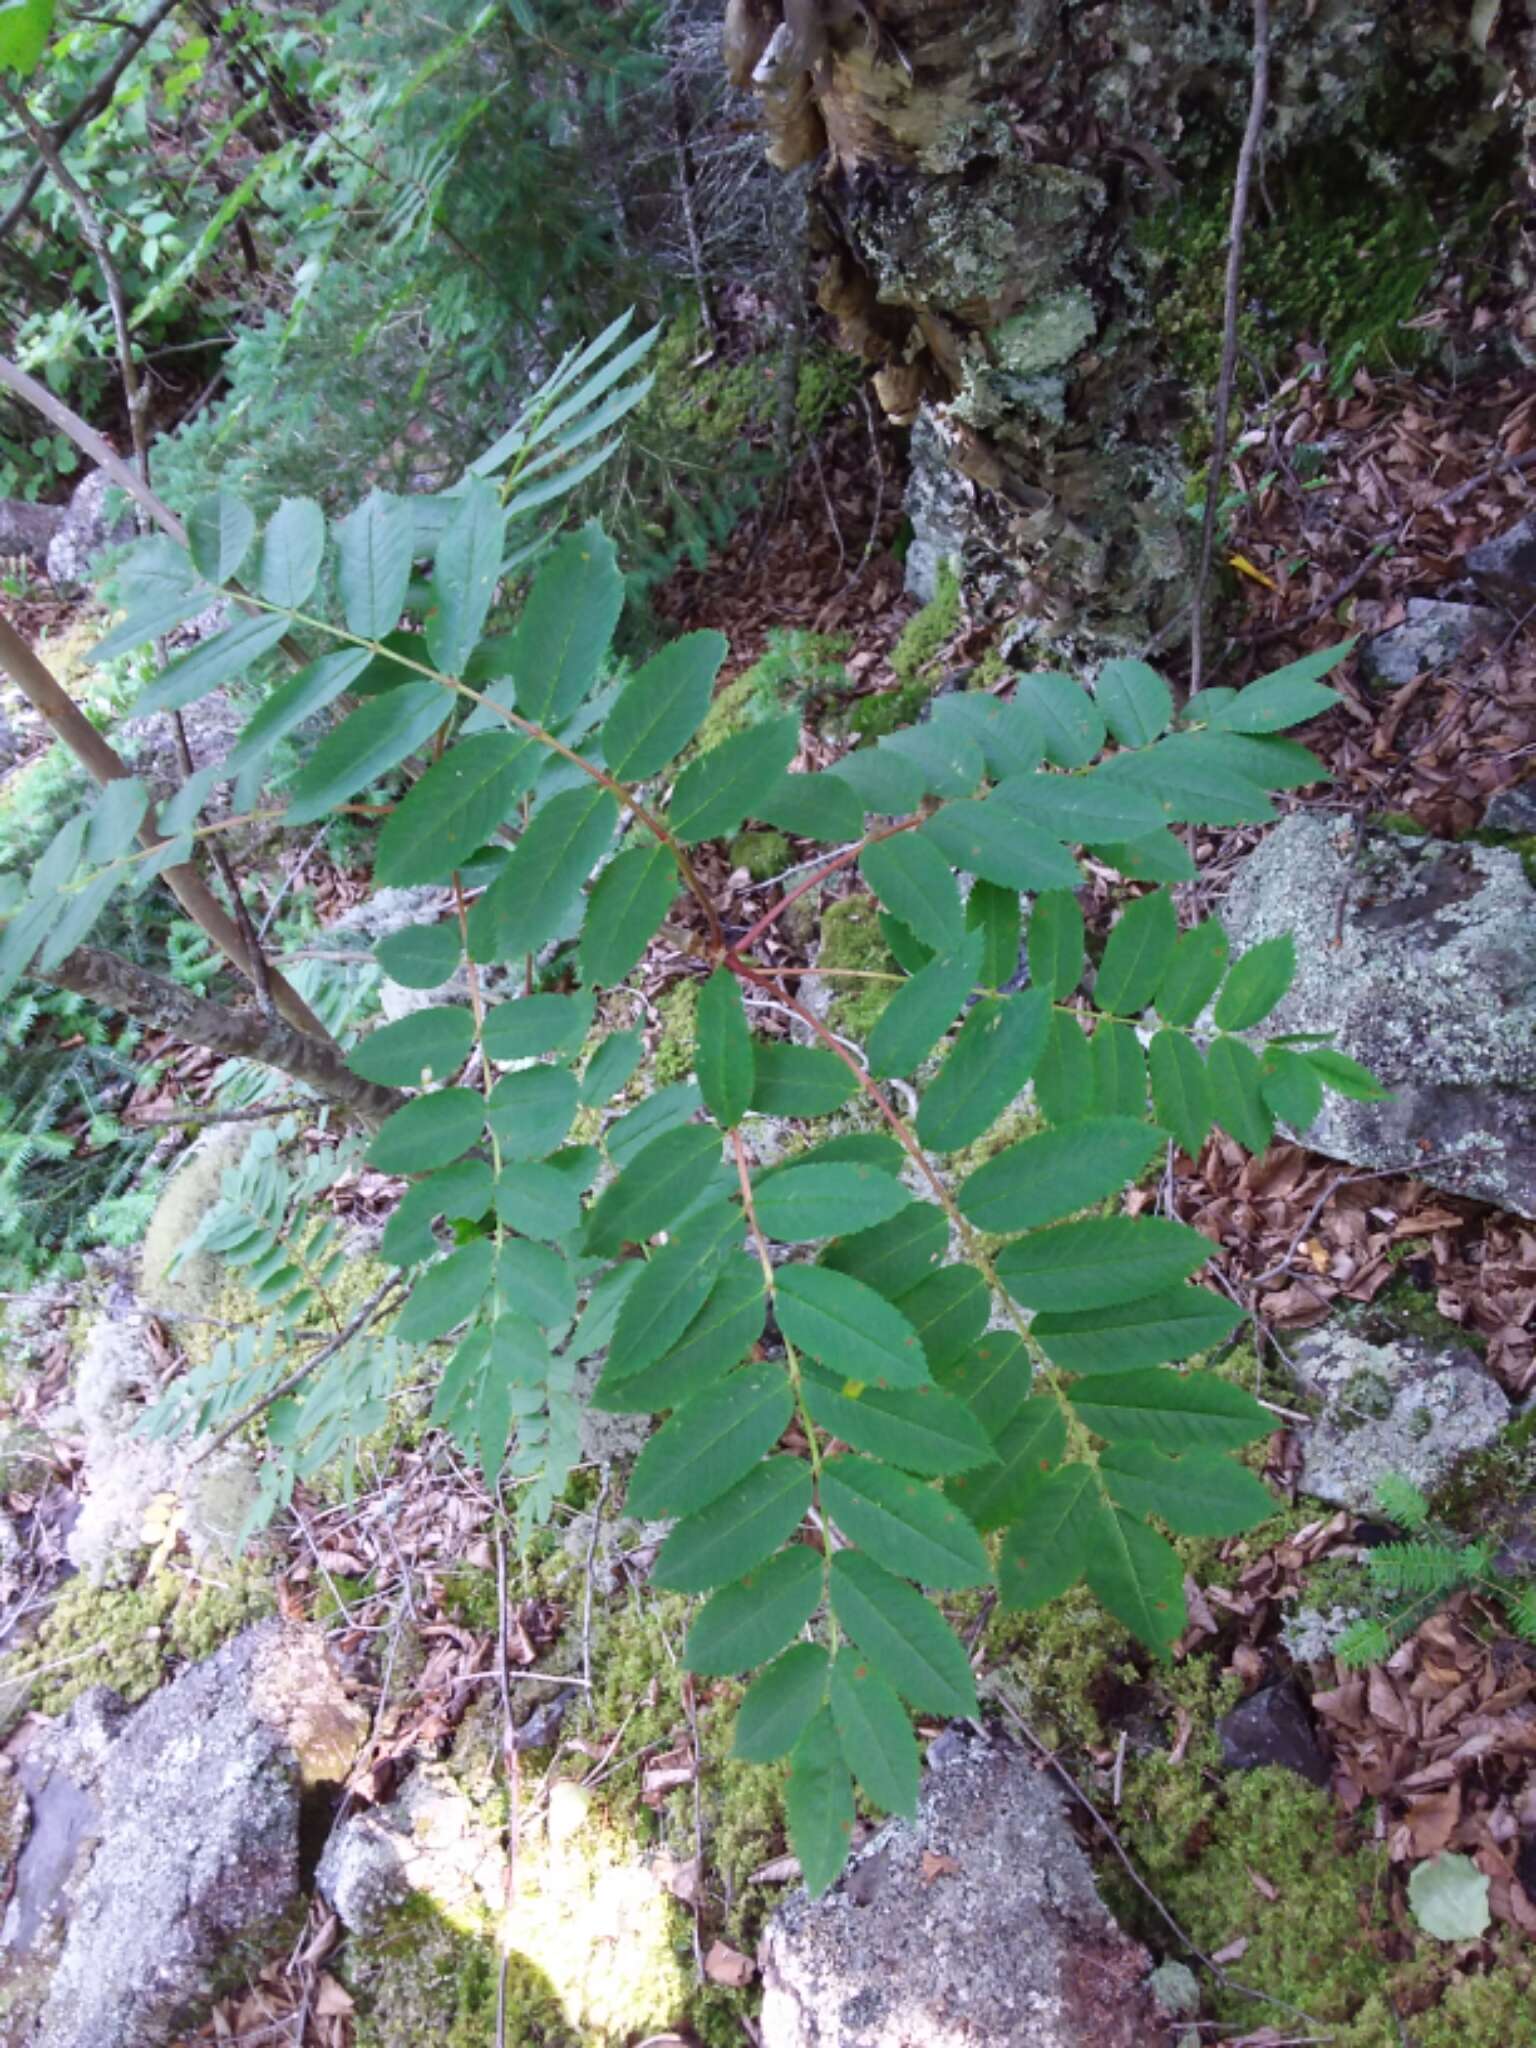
26, 530
1009, 1948
1504, 569
431, 1840
1429, 980
1272, 1728
84, 532
939, 505
1408, 1409
1512, 810
197, 1860
1433, 634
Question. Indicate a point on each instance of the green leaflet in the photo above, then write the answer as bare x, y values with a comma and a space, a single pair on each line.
1063, 1076
882, 781
1199, 961
737, 1531
802, 1203
1009, 735
818, 1803
1181, 1090
813, 806
904, 1638
374, 546
948, 759
1176, 1411
1155, 857
370, 741
431, 1131
1202, 1493
850, 1148
447, 1294
1288, 697
717, 791
299, 698
920, 1430
993, 1378
1237, 1093
1045, 1550
466, 568
421, 956
220, 529
1119, 1069
903, 1524
529, 900
923, 1009
655, 1189
565, 627
1292, 1087
1069, 721
672, 1289
1028, 1447
1137, 1575
996, 914
912, 879
949, 1311
426, 1046
875, 1734
1157, 1329
458, 805
1082, 807
662, 707
798, 1081
711, 1442
662, 1110
848, 1327
1098, 1263
753, 1620
724, 1061
989, 1063
223, 659
530, 1025
908, 948
1344, 1075
1257, 982
461, 1192
1056, 944
894, 1256
533, 1280
292, 549
628, 902
538, 1201
718, 1338
610, 1067
1137, 704
985, 838
1179, 775
1138, 955
780, 1703
531, 1111
1057, 1173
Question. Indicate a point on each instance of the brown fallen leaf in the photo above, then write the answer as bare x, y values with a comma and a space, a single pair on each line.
332, 2000
677, 1876
1233, 1952
723, 1965
778, 1870
935, 1866
1262, 1886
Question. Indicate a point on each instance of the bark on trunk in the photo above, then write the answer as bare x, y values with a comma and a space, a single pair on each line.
986, 165
118, 984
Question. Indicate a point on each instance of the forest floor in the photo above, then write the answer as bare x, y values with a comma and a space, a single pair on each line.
1429, 1753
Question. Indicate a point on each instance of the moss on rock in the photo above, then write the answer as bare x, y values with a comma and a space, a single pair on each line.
851, 939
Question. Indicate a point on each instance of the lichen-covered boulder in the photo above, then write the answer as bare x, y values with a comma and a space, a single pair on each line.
1504, 568
1417, 958
196, 1864
1434, 633
1408, 1409
85, 531
172, 1280
976, 1927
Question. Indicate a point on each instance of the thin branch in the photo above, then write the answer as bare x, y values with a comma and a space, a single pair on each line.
1242, 186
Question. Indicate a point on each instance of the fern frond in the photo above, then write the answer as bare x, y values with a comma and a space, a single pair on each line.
1402, 1502
1366, 1641
1420, 1568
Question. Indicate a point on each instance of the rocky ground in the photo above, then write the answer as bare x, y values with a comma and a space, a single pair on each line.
264, 1795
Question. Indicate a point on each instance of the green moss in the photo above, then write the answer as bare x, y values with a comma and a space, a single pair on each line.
1069, 1665
762, 854
734, 709
851, 940
426, 1980
914, 659
133, 1638
679, 1009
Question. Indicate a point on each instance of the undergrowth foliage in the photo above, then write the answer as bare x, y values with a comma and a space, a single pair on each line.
882, 1375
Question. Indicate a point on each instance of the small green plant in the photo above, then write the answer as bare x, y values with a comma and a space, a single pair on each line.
887, 1370
1420, 1574
799, 671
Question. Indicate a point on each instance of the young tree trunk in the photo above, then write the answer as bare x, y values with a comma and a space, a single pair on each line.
986, 166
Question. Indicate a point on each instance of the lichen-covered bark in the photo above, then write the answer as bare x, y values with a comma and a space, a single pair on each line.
985, 167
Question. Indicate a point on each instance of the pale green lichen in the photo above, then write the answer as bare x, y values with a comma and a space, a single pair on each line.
851, 939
